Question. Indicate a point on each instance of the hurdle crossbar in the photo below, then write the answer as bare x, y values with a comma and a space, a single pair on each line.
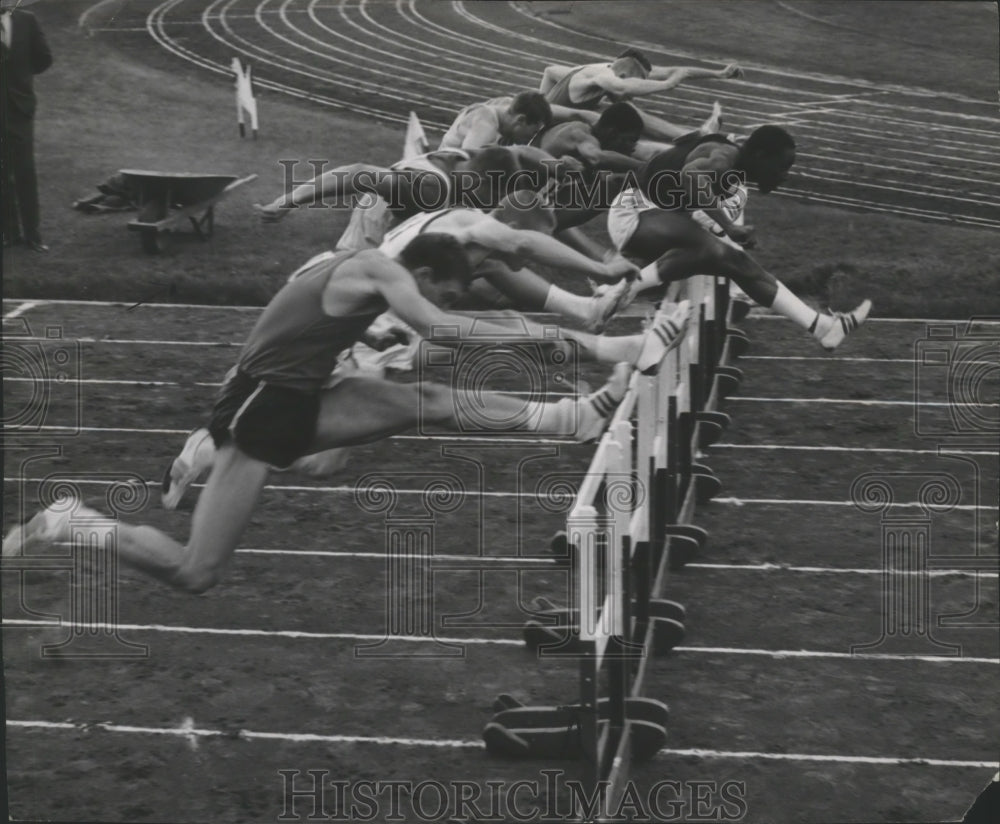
640, 480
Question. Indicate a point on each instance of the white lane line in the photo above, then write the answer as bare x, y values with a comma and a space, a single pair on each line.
506, 439
237, 344
20, 310
187, 731
493, 439
336, 490
133, 305
260, 633
519, 560
668, 752
25, 623
384, 556
839, 359
940, 451
756, 315
811, 570
733, 398
463, 493
864, 402
806, 502
809, 653
765, 315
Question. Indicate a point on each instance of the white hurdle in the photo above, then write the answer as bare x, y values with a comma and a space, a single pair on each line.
246, 103
630, 524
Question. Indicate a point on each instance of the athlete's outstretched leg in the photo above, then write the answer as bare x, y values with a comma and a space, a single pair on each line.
355, 178
364, 410
681, 248
532, 293
220, 517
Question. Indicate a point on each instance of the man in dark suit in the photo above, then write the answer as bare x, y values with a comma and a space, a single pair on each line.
24, 53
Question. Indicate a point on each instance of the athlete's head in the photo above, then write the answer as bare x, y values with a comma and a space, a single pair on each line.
526, 210
439, 265
766, 157
527, 114
618, 128
632, 63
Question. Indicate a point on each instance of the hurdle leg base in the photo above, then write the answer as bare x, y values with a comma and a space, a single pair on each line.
738, 342
706, 486
727, 380
681, 552
695, 533
667, 634
740, 309
710, 426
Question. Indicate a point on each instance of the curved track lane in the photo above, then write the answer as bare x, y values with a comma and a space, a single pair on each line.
881, 148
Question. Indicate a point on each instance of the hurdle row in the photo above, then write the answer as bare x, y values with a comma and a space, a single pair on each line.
629, 527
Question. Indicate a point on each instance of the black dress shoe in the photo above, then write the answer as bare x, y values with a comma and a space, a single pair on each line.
12, 241
37, 246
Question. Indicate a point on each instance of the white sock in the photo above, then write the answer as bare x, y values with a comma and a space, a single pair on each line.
567, 304
618, 348
787, 304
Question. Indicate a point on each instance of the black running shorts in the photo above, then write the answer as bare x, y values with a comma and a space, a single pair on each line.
272, 424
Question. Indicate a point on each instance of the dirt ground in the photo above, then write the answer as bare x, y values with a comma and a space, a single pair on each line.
210, 703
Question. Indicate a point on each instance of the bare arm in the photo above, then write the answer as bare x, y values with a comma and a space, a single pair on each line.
540, 162
398, 288
634, 86
589, 148
563, 114
678, 74
697, 175
540, 248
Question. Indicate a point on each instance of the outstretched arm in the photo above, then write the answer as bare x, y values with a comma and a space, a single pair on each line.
518, 245
564, 114
376, 274
589, 148
696, 176
399, 290
678, 74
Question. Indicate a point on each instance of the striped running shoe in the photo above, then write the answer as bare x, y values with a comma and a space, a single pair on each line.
196, 457
665, 334
607, 304
595, 410
843, 324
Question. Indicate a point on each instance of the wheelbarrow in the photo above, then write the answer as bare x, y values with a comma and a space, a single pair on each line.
165, 199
